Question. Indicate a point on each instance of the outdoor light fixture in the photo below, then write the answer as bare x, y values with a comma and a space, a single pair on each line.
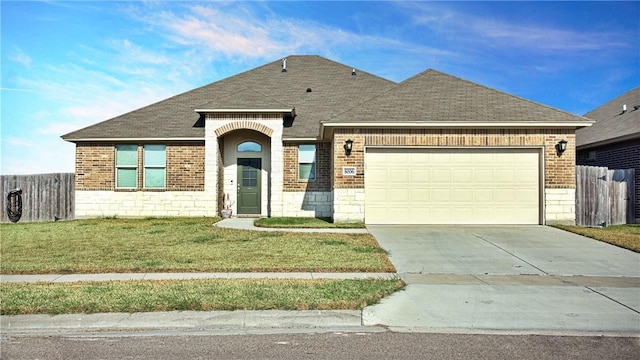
348, 145
561, 146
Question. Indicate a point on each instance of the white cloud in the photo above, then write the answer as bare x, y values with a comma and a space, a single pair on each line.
519, 34
20, 57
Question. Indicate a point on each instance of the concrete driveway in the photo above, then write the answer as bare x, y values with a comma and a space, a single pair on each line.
514, 279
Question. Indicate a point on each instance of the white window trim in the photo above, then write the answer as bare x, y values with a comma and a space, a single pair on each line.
117, 167
314, 162
145, 167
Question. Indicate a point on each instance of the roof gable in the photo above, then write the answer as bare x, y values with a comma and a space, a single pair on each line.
612, 123
435, 97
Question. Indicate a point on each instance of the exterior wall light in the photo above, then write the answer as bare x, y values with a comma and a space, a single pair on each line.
561, 146
348, 146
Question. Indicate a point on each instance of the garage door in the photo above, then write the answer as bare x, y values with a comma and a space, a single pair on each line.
452, 186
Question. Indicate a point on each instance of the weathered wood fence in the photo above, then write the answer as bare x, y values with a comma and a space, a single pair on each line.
45, 197
604, 197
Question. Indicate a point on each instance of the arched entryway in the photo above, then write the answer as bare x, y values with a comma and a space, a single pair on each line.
246, 163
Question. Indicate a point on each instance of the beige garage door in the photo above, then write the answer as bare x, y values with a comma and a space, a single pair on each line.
452, 186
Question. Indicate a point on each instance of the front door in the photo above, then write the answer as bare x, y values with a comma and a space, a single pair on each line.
249, 185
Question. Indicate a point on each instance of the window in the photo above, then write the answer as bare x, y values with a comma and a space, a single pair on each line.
154, 166
249, 146
307, 161
126, 166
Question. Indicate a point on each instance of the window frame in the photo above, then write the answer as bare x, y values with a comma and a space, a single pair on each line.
305, 161
249, 151
146, 166
120, 148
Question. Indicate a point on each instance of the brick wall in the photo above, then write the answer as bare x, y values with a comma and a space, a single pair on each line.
559, 170
624, 155
322, 182
185, 166
95, 166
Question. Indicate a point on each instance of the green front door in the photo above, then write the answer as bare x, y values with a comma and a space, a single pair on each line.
249, 185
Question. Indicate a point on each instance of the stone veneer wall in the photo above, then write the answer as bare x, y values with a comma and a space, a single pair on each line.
560, 206
559, 171
143, 203
308, 204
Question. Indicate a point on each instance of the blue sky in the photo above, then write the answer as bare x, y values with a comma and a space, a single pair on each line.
66, 65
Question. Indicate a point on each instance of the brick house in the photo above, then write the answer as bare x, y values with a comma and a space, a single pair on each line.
614, 140
306, 136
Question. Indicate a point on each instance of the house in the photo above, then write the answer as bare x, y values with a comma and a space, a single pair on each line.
306, 136
614, 140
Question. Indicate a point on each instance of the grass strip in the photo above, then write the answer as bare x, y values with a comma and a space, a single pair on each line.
179, 245
625, 236
192, 295
305, 223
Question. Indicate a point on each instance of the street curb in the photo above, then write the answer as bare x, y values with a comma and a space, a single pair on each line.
181, 320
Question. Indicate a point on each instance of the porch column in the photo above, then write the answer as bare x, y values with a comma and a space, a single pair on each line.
211, 166
277, 171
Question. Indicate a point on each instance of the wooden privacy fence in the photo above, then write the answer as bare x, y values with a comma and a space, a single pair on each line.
45, 197
604, 197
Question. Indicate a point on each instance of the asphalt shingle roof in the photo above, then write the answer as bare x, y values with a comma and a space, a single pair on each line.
611, 123
333, 87
322, 90
432, 96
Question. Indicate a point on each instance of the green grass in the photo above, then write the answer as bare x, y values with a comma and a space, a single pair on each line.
194, 295
179, 245
305, 223
625, 236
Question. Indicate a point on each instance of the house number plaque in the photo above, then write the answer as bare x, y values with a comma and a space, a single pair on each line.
348, 171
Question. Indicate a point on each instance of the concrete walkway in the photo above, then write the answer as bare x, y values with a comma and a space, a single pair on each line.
247, 224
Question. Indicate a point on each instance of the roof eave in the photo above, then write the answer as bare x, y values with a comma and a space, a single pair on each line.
245, 111
76, 140
326, 126
608, 141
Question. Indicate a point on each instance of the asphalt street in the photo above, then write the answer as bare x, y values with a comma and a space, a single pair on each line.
335, 345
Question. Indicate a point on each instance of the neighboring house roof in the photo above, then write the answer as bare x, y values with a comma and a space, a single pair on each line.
333, 87
432, 98
612, 123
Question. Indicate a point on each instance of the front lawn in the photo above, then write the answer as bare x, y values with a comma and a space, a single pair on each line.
179, 245
192, 295
306, 223
625, 236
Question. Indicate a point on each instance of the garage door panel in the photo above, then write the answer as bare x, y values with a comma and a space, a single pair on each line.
452, 186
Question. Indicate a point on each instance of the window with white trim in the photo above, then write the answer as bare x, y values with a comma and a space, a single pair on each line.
155, 165
126, 166
307, 162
